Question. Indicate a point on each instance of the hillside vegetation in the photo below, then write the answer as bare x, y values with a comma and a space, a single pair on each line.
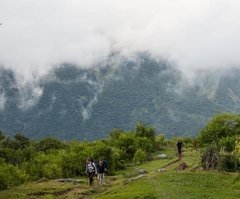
168, 183
141, 164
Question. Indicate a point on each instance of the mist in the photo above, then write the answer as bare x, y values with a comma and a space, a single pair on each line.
36, 36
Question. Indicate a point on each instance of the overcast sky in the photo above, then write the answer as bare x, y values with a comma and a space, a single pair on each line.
37, 34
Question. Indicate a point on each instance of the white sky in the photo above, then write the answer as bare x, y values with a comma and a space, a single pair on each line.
37, 34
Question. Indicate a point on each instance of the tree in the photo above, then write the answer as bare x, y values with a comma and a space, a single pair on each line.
128, 144
143, 131
139, 156
49, 144
1, 135
220, 126
21, 141
10, 175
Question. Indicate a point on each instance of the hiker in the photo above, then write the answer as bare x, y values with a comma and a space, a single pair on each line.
91, 170
179, 148
101, 168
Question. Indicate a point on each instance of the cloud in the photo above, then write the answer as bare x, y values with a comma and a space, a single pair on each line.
196, 35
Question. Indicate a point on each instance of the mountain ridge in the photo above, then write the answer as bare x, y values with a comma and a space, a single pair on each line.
87, 103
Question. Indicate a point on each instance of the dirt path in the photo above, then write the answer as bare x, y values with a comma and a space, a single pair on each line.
170, 164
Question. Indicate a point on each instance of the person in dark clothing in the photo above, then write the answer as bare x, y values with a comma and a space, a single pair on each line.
101, 168
179, 148
91, 170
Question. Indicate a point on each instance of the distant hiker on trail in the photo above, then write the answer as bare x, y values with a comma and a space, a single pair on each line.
91, 170
179, 148
101, 168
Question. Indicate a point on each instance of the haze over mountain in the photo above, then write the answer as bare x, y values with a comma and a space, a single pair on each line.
189, 71
71, 102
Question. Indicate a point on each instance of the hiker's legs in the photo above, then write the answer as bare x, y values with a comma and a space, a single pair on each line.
91, 175
179, 154
100, 178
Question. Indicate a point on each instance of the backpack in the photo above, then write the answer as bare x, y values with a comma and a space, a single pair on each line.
105, 164
90, 167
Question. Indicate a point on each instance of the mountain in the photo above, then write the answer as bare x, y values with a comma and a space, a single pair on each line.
73, 102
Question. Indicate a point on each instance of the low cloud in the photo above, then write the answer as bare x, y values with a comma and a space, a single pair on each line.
36, 36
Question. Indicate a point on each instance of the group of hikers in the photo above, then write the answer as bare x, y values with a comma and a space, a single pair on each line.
93, 169
99, 169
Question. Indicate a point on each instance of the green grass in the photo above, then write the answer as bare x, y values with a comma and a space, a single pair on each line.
50, 189
169, 184
178, 185
173, 184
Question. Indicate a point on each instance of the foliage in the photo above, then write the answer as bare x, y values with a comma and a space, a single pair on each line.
210, 158
237, 146
169, 184
229, 162
12, 156
51, 158
48, 144
160, 141
1, 135
220, 126
139, 156
223, 130
10, 175
143, 131
227, 143
44, 165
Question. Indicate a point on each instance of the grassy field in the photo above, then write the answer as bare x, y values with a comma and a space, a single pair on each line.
162, 180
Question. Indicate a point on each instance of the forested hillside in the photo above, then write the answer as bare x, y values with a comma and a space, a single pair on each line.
86, 103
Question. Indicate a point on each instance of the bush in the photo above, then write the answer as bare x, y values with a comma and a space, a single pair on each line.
210, 158
118, 162
220, 126
160, 142
10, 175
44, 165
51, 171
139, 156
72, 160
229, 162
228, 143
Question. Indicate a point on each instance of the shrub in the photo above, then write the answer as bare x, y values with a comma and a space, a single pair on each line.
10, 175
210, 158
139, 156
229, 162
44, 165
51, 171
220, 126
228, 143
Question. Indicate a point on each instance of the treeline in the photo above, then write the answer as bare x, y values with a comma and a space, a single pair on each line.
22, 159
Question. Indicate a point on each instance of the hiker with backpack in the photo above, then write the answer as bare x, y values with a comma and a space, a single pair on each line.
179, 148
101, 168
91, 170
